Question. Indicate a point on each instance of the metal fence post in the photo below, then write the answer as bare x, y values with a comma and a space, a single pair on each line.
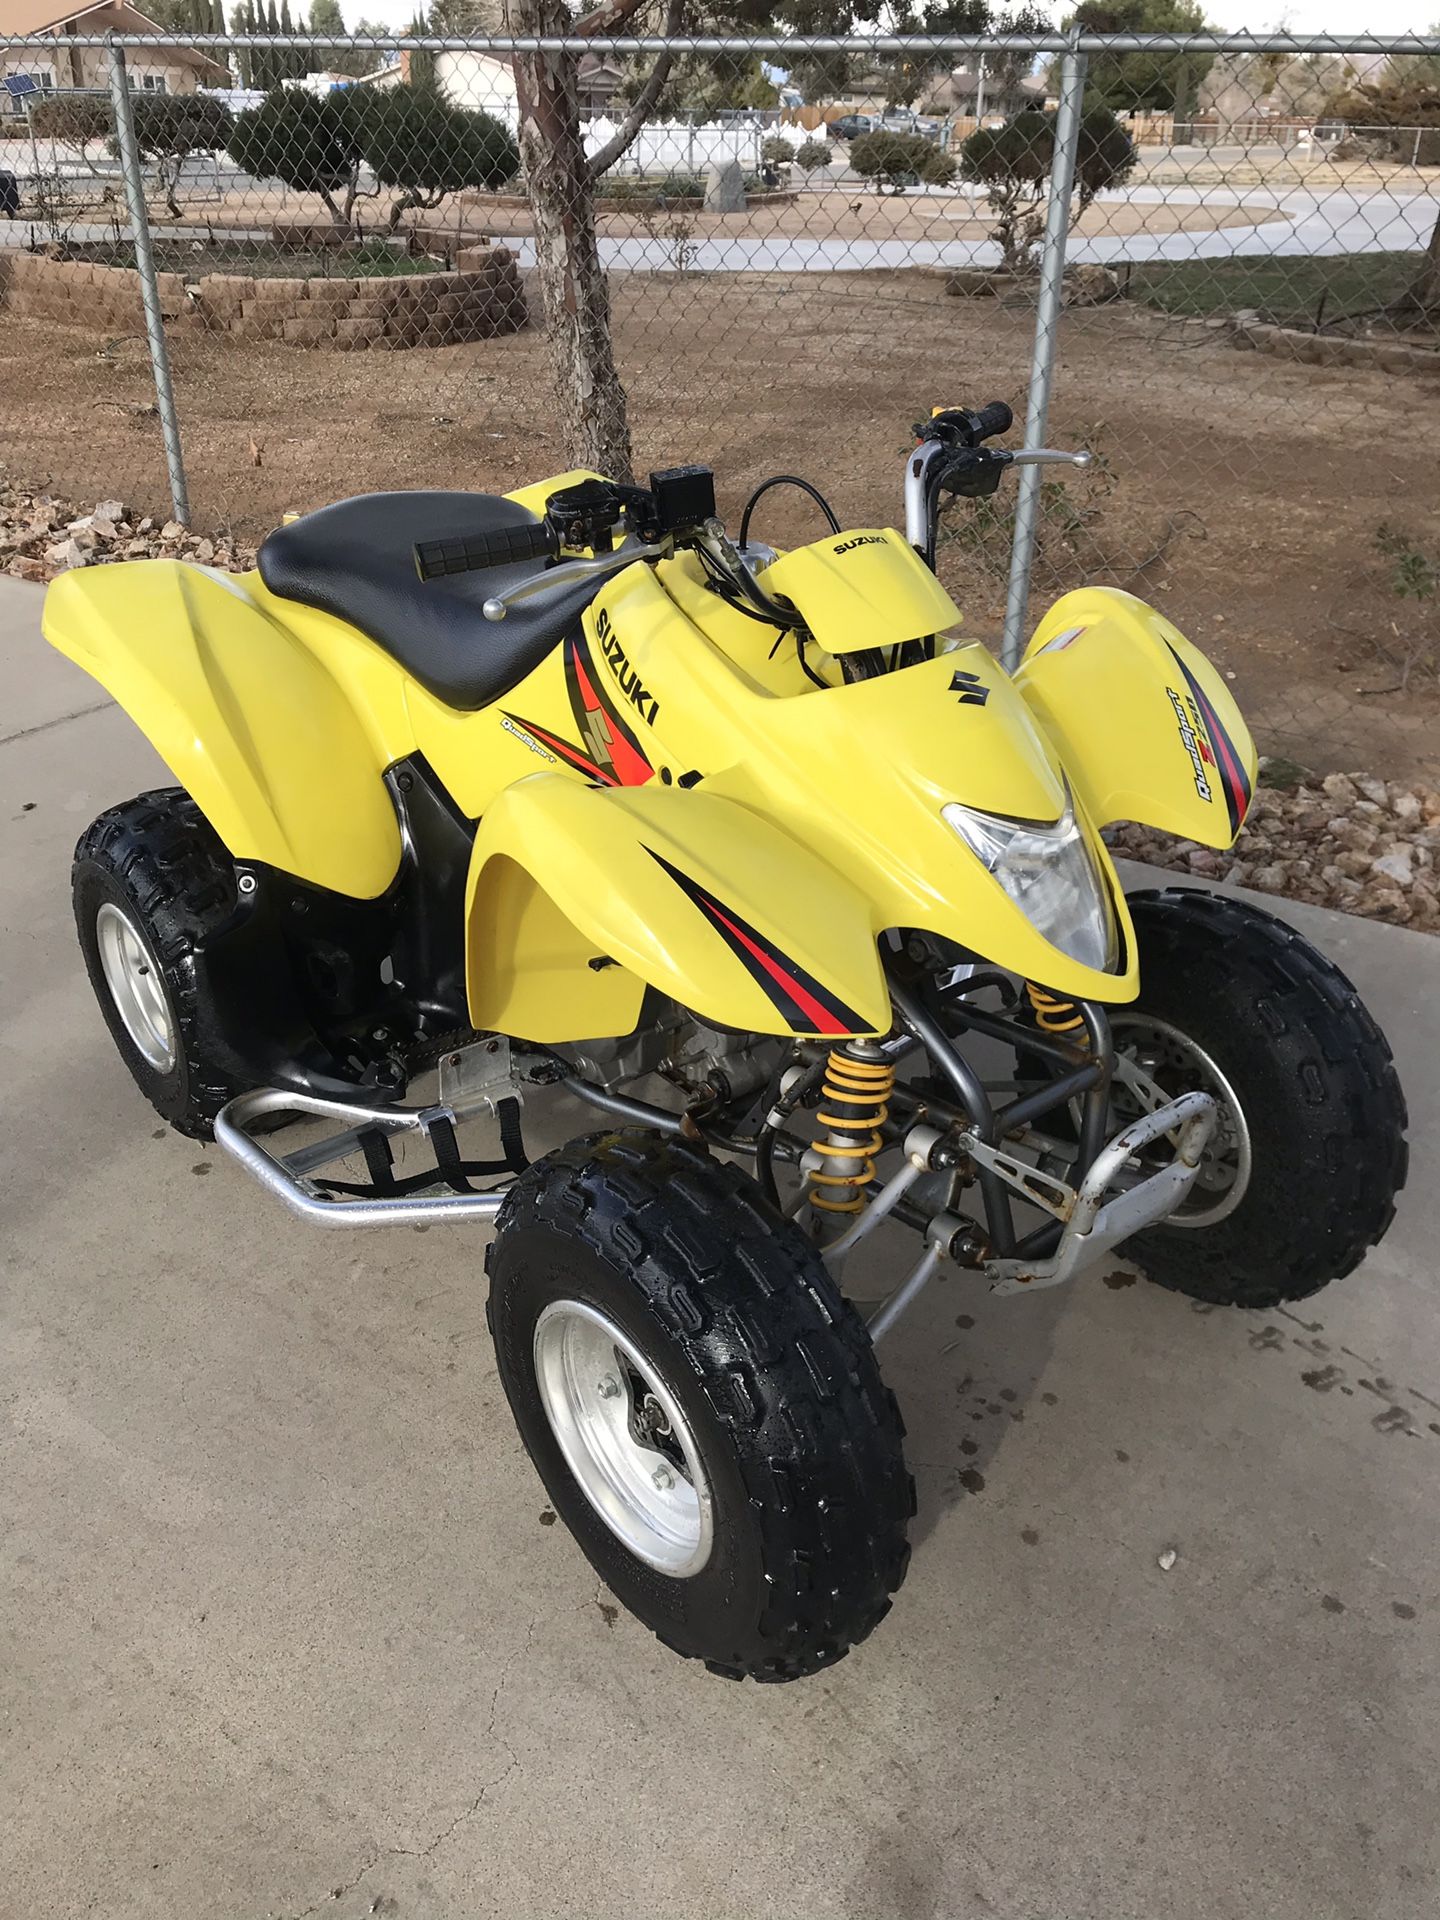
1042, 364
149, 290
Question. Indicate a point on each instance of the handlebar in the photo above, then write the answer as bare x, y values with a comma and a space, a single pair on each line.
473, 552
964, 427
950, 459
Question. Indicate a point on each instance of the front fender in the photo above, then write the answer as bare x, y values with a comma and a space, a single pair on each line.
243, 714
1145, 727
578, 898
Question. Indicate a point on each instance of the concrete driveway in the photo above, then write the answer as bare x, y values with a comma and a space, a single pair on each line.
284, 1629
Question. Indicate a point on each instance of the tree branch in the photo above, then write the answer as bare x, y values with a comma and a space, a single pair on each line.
610, 19
641, 107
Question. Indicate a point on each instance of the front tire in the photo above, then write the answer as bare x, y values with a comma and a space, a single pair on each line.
1319, 1150
150, 881
702, 1405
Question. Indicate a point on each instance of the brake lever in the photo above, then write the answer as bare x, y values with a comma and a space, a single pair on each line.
1047, 457
570, 573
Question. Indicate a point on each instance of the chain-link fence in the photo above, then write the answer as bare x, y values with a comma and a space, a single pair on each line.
242, 276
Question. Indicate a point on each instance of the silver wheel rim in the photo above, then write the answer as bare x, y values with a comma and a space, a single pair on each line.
1177, 1063
133, 977
624, 1438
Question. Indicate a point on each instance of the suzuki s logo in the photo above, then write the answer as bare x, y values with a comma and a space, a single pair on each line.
627, 678
972, 691
860, 540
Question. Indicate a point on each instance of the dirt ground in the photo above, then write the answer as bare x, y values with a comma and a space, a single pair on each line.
840, 210
850, 211
1239, 492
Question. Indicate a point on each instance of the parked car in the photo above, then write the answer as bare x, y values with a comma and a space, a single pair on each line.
851, 125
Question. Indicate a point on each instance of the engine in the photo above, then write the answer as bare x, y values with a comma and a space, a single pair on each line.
703, 1062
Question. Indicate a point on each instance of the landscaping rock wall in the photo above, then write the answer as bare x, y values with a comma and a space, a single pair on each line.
483, 297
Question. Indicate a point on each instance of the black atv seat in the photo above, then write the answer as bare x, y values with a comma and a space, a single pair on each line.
356, 560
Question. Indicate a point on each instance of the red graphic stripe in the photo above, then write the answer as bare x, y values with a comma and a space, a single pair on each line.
1232, 774
1218, 734
821, 1019
587, 692
631, 767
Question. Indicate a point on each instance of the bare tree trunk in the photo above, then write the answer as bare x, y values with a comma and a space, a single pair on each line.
1425, 294
573, 290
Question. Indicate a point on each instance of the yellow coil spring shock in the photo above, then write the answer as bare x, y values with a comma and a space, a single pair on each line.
1052, 1014
854, 1100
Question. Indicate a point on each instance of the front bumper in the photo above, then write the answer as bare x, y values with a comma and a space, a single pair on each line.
1095, 1223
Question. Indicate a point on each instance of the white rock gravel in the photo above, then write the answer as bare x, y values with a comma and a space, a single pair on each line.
42, 535
1350, 840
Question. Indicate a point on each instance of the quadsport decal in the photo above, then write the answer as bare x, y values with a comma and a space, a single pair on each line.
1210, 746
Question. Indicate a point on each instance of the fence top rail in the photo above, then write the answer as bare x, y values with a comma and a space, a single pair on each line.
791, 44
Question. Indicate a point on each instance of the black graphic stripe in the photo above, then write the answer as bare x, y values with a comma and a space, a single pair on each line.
1229, 764
803, 1002
579, 673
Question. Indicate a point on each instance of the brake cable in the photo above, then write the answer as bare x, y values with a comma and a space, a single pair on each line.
786, 480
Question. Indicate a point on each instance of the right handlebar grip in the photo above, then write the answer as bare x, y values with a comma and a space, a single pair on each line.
473, 552
996, 418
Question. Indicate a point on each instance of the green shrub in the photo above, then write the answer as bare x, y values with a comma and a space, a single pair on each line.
899, 160
310, 141
77, 120
777, 152
169, 127
814, 153
415, 142
1012, 162
645, 188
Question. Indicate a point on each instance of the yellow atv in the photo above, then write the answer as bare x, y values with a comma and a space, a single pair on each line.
805, 896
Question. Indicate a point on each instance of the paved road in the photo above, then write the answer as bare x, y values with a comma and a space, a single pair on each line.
282, 1631
1312, 223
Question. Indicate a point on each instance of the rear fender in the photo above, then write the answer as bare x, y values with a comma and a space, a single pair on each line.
580, 897
1145, 727
243, 714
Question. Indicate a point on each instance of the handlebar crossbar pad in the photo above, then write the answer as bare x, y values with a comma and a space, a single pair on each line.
506, 545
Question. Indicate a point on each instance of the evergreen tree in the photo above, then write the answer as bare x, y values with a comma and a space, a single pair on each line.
326, 17
422, 63
288, 63
274, 59
240, 24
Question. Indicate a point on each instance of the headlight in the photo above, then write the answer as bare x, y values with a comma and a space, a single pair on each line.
1051, 875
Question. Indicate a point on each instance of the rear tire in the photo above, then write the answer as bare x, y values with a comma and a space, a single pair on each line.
1315, 1082
151, 881
792, 1535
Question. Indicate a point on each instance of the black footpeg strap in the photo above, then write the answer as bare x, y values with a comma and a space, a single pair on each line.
457, 1174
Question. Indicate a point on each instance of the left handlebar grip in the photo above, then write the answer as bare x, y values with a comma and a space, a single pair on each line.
474, 552
995, 418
